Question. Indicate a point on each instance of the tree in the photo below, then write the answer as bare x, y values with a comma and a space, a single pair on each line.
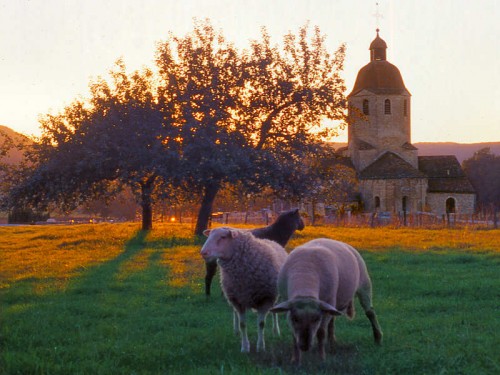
251, 116
119, 137
483, 171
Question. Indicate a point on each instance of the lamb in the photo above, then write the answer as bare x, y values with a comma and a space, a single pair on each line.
249, 273
279, 231
318, 282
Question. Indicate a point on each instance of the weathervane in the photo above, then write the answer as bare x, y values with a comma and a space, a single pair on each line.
377, 15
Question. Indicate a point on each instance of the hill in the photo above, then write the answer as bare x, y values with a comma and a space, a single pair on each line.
461, 150
14, 155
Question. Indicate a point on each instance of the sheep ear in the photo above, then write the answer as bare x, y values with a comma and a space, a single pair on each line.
282, 307
206, 232
329, 309
233, 233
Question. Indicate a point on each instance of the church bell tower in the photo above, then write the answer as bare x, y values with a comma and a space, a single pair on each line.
379, 112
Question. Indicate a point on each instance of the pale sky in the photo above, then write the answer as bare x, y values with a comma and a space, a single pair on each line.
448, 51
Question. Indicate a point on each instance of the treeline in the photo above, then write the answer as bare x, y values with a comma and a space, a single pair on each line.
207, 117
483, 171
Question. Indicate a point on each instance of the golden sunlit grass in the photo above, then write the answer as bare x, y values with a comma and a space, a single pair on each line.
186, 266
60, 252
379, 239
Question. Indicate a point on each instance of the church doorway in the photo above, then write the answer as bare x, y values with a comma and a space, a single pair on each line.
450, 206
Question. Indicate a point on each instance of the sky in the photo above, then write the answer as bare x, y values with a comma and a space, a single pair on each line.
448, 51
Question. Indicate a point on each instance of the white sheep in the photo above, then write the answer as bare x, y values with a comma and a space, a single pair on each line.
249, 272
318, 281
280, 231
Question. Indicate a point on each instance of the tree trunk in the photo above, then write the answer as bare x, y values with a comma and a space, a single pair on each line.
147, 205
209, 193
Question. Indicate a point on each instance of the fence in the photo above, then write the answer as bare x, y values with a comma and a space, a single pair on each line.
413, 220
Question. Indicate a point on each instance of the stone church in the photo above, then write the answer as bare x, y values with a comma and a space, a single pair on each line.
392, 177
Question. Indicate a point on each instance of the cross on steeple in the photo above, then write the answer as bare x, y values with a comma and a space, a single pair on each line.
377, 15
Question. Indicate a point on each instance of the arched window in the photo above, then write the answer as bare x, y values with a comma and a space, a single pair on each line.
405, 108
387, 107
405, 204
366, 107
450, 206
377, 203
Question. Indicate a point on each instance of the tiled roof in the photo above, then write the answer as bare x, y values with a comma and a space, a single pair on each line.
390, 166
440, 166
379, 77
445, 174
362, 145
408, 146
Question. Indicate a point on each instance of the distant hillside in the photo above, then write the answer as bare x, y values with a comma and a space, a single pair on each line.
461, 150
14, 155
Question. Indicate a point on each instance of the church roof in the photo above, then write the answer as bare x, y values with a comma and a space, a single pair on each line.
445, 174
378, 43
441, 166
379, 76
408, 146
362, 145
390, 166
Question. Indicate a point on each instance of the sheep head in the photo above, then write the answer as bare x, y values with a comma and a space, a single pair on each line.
305, 315
292, 219
218, 244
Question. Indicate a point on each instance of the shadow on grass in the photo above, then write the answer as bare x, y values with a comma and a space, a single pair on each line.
100, 323
279, 353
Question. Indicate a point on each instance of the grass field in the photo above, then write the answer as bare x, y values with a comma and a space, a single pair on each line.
109, 299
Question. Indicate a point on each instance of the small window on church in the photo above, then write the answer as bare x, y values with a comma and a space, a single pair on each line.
377, 203
366, 107
387, 107
405, 108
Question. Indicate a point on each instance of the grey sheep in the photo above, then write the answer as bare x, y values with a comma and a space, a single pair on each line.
249, 273
279, 231
318, 282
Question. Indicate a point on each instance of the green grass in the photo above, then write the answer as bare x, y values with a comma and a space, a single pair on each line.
127, 303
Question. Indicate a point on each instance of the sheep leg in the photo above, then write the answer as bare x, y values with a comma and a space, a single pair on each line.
365, 298
296, 355
261, 322
276, 325
236, 323
320, 335
331, 334
245, 344
211, 270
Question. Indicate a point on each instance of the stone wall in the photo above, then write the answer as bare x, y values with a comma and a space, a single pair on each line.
392, 192
385, 132
464, 203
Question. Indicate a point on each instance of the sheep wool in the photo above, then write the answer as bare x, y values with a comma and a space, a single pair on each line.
318, 282
249, 273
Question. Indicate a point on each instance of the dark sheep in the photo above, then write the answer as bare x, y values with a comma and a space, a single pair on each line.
280, 231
